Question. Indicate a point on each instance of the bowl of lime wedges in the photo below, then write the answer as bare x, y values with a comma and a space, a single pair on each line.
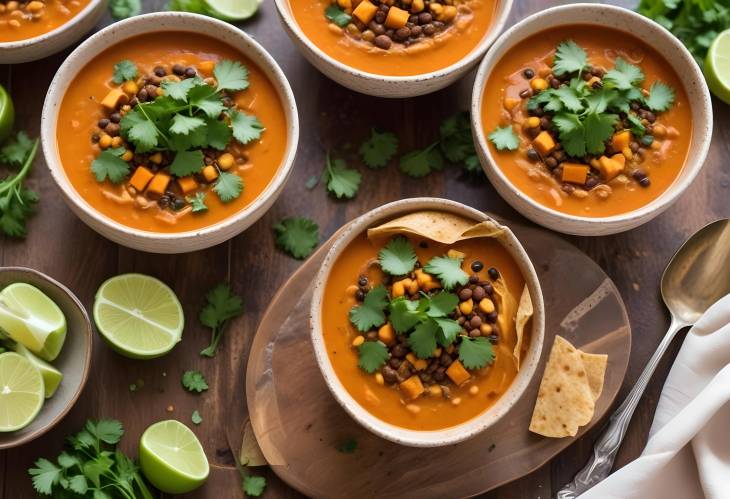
45, 353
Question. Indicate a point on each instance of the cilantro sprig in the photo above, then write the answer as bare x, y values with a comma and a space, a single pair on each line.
421, 162
448, 270
17, 202
372, 355
397, 257
372, 311
222, 306
475, 353
379, 149
297, 236
194, 381
341, 181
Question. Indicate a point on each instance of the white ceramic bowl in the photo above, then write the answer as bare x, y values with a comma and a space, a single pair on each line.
486, 419
179, 242
656, 37
389, 86
54, 41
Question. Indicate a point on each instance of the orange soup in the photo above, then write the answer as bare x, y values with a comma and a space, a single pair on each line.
433, 347
171, 132
24, 19
587, 120
398, 37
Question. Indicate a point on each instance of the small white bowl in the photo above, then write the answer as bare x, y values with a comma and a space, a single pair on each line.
56, 40
652, 34
179, 242
468, 429
389, 86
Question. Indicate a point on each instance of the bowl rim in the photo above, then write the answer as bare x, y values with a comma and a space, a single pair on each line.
505, 7
95, 45
88, 331
47, 36
690, 168
485, 419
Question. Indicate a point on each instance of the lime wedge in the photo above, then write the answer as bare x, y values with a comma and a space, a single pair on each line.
172, 458
21, 392
31, 318
138, 315
7, 115
717, 66
51, 376
232, 10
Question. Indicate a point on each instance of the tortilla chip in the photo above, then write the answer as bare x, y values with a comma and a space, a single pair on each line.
565, 401
595, 366
439, 226
251, 454
524, 313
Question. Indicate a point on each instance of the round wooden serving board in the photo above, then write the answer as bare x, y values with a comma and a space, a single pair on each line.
299, 425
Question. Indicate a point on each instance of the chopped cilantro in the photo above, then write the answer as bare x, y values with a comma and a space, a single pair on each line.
504, 138
246, 128
338, 16
197, 202
448, 330
475, 353
442, 304
342, 181
187, 163
421, 162
379, 149
423, 339
661, 97
228, 186
184, 125
231, 75
637, 127
569, 58
194, 381
598, 129
124, 70
624, 76
110, 165
448, 270
253, 486
371, 313
405, 314
196, 418
373, 354
397, 257
297, 236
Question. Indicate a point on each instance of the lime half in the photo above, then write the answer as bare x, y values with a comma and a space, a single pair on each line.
172, 458
232, 10
717, 66
21, 392
31, 318
138, 315
7, 115
51, 376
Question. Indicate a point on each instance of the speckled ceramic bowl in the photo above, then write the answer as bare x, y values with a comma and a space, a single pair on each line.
487, 418
54, 41
652, 34
178, 242
73, 362
382, 85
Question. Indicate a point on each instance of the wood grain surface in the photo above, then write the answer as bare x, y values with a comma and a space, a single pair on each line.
331, 118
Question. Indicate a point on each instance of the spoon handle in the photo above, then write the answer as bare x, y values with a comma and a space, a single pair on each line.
607, 445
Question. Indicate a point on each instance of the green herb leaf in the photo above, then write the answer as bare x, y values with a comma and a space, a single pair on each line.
570, 99
624, 75
196, 418
206, 99
124, 70
109, 165
15, 152
137, 129
421, 162
448, 270
572, 134
342, 181
371, 313
475, 353
348, 446
661, 97
228, 186
297, 236
448, 330
379, 149
253, 486
109, 431
194, 381
219, 134
397, 257
197, 202
598, 129
456, 142
231, 75
179, 90
405, 314
338, 16
122, 9
637, 128
423, 339
45, 475
246, 128
222, 305
504, 138
373, 355
569, 58
186, 163
78, 484
442, 304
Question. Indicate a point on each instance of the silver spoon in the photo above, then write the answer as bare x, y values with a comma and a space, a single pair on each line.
697, 276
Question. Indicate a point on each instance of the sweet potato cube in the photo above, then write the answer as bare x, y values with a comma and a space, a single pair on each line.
187, 184
397, 18
386, 334
210, 173
141, 178
365, 11
575, 173
412, 388
544, 143
609, 168
116, 97
457, 373
419, 364
621, 158
621, 139
159, 184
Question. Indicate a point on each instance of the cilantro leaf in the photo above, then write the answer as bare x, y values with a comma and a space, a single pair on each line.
448, 330
196, 418
137, 129
598, 129
448, 270
124, 70
15, 207
569, 98
231, 75
569, 58
219, 134
442, 304
186, 163
572, 134
637, 127
109, 431
397, 257
297, 236
183, 125
661, 97
338, 16
371, 312
342, 181
475, 353
624, 75
197, 202
456, 142
228, 186
504, 138
373, 354
254, 486
423, 339
206, 99
179, 90
45, 475
404, 314
246, 127
421, 162
14, 153
599, 100
222, 305
379, 149
194, 381
78, 484
109, 165
122, 9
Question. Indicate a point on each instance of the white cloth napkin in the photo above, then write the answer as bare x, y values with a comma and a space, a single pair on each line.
688, 452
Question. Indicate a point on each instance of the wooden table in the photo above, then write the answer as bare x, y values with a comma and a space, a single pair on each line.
331, 118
